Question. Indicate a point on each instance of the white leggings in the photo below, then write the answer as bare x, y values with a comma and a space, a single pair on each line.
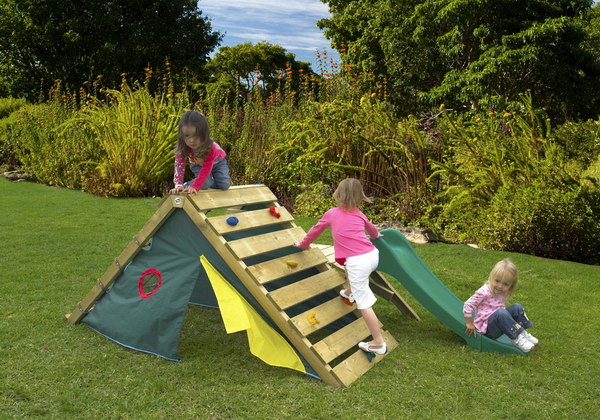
359, 268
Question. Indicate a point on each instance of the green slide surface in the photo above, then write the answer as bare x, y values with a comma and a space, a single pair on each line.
398, 259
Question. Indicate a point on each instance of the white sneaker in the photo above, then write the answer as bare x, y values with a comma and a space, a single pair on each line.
368, 347
350, 297
530, 338
522, 343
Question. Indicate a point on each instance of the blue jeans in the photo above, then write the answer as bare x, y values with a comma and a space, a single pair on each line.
218, 178
511, 321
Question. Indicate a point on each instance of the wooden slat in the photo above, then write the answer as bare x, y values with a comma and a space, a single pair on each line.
277, 268
244, 195
325, 313
328, 251
305, 289
342, 340
260, 244
357, 364
249, 220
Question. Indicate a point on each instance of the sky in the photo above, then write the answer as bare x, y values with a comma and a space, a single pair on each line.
288, 23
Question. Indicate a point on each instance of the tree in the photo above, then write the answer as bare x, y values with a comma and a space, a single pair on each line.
249, 65
463, 52
75, 41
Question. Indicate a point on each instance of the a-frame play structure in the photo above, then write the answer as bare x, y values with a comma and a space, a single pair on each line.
245, 264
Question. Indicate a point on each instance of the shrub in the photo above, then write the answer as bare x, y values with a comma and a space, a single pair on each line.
339, 139
315, 200
543, 220
10, 105
8, 140
52, 156
580, 140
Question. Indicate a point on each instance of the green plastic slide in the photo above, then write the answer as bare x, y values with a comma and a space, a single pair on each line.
398, 259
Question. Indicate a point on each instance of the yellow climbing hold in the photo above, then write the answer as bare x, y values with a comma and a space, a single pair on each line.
291, 263
312, 318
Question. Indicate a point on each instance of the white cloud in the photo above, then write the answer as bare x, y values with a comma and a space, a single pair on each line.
289, 23
314, 7
306, 42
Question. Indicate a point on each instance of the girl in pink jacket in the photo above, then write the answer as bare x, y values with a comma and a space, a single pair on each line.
355, 252
205, 156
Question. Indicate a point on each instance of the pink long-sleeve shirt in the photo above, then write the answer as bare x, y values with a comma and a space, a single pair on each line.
348, 230
484, 304
215, 153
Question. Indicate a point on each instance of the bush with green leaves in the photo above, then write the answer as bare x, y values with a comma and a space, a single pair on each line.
542, 220
10, 105
315, 200
8, 129
52, 155
580, 140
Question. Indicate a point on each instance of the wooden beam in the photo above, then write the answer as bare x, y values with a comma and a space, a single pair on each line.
280, 267
342, 340
383, 288
266, 242
358, 364
310, 287
240, 196
323, 314
249, 220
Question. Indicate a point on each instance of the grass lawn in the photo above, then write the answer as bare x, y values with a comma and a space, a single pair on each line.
55, 243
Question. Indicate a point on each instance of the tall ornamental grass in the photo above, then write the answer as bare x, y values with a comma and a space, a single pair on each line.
136, 133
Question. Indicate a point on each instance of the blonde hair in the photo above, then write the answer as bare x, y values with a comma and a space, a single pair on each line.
350, 194
504, 270
200, 123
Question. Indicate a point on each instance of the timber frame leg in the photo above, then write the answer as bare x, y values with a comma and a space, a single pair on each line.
382, 288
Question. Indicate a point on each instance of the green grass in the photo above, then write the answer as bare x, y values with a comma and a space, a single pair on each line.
55, 243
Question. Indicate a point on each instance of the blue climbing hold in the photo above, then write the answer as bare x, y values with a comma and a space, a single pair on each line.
232, 221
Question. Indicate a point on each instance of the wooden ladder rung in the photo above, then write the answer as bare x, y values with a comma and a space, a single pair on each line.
234, 196
259, 244
277, 268
324, 314
342, 340
357, 364
305, 289
249, 220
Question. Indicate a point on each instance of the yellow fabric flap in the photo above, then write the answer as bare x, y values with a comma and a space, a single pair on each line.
265, 343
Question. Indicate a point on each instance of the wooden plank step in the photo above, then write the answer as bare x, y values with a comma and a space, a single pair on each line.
305, 289
328, 251
277, 268
324, 314
357, 364
234, 196
266, 242
249, 220
342, 340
